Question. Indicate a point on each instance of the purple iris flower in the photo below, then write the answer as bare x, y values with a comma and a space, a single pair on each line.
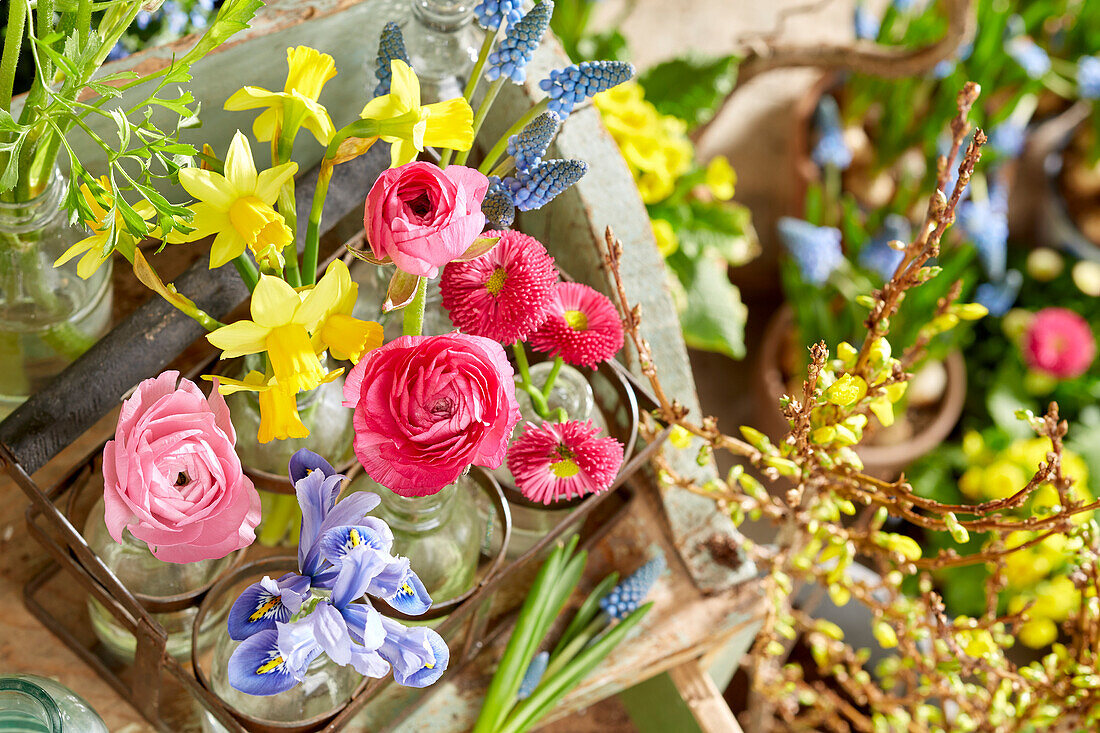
417, 654
263, 604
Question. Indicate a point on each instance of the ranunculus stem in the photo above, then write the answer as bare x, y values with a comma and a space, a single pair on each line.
413, 324
502, 143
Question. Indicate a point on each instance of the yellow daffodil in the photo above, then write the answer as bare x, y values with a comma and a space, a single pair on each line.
238, 207
346, 338
721, 178
282, 321
279, 418
297, 104
92, 247
667, 241
446, 124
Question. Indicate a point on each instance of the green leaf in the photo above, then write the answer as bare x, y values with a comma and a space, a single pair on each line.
724, 228
233, 17
713, 317
1004, 398
611, 45
691, 89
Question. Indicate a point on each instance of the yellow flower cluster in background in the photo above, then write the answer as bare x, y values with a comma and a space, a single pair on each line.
1035, 574
655, 146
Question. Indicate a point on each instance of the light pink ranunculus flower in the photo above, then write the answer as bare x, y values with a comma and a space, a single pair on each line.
172, 477
429, 407
422, 217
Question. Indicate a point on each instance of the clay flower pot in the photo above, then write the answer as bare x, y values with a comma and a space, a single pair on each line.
885, 461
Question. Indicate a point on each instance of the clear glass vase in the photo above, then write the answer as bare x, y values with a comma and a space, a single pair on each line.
326, 688
48, 316
441, 534
330, 436
33, 704
143, 574
443, 43
373, 281
572, 392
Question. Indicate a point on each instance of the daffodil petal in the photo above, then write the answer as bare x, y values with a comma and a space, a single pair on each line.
206, 220
274, 302
271, 180
383, 108
320, 300
253, 382
88, 243
239, 338
89, 263
240, 169
266, 123
227, 246
404, 84
207, 186
450, 124
251, 98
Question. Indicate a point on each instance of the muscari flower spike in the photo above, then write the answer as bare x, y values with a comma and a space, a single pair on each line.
491, 13
986, 226
531, 143
878, 256
539, 186
816, 250
999, 297
625, 598
1088, 77
497, 204
531, 678
391, 46
1008, 138
946, 68
514, 52
1029, 55
866, 23
573, 84
831, 149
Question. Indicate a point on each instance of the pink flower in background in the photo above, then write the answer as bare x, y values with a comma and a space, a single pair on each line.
559, 461
583, 328
171, 475
422, 217
503, 295
429, 407
1060, 343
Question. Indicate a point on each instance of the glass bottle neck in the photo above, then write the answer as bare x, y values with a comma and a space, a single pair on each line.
18, 217
418, 513
28, 707
442, 16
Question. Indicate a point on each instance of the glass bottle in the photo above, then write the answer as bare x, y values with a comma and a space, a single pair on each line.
48, 316
572, 392
34, 704
440, 534
326, 688
443, 44
373, 281
330, 435
144, 574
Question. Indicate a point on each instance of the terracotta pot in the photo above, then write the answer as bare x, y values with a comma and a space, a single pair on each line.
882, 461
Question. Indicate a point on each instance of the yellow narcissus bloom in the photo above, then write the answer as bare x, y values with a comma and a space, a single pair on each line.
279, 418
297, 104
238, 207
448, 124
667, 241
347, 338
92, 247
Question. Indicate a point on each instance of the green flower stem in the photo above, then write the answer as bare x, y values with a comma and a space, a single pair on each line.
504, 168
278, 515
538, 401
313, 228
587, 612
578, 642
413, 324
482, 112
13, 44
832, 191
551, 378
282, 149
247, 270
471, 85
501, 144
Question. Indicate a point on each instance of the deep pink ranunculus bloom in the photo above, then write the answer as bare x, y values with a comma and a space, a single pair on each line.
429, 407
1060, 343
171, 475
422, 217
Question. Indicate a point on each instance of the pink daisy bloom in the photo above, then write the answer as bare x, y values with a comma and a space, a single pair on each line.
1060, 343
504, 294
583, 328
559, 461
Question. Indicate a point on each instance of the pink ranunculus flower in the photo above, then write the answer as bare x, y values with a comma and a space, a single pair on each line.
172, 477
422, 217
429, 407
1060, 343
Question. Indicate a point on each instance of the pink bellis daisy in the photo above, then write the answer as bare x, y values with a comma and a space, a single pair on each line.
560, 461
583, 328
1060, 343
504, 294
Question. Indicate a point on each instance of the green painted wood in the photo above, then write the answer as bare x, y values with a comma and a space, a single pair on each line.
655, 706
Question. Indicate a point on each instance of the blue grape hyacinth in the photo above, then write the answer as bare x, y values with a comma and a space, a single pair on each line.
539, 186
514, 52
831, 148
1029, 55
531, 143
878, 256
1088, 77
625, 598
866, 23
497, 204
985, 224
999, 297
391, 46
815, 250
1008, 138
572, 85
531, 678
491, 13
